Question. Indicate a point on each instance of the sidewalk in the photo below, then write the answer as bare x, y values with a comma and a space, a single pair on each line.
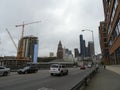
114, 68
105, 79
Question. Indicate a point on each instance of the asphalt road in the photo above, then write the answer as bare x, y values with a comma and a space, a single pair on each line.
42, 80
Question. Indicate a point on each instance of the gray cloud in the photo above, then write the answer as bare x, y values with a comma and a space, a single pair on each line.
60, 20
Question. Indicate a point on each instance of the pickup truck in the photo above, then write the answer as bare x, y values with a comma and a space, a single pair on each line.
4, 71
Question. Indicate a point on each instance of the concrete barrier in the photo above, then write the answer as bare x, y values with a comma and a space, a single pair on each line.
84, 82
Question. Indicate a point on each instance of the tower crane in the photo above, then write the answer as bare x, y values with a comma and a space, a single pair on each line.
11, 38
20, 47
23, 26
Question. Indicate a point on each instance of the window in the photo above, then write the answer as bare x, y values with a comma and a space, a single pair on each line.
118, 55
116, 3
105, 39
114, 34
1, 67
104, 34
114, 9
109, 29
110, 42
116, 29
119, 25
112, 59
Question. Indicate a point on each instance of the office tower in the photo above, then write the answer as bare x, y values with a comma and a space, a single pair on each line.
91, 48
67, 55
76, 52
82, 46
86, 52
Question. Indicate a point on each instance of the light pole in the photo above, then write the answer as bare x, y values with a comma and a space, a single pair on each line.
92, 38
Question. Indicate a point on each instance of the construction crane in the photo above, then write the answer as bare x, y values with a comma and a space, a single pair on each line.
23, 26
20, 49
11, 38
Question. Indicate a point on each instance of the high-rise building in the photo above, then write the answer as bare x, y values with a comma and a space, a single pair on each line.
29, 48
91, 49
82, 46
86, 52
112, 21
67, 55
60, 51
76, 52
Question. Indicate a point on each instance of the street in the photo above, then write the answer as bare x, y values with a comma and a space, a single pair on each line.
42, 80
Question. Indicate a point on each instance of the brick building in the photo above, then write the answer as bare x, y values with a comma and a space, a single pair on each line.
112, 21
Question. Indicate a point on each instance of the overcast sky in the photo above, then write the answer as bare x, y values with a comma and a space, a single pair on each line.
60, 20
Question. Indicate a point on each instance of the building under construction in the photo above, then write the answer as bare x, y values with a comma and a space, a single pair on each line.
28, 48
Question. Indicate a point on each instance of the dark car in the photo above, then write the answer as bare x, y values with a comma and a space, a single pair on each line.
28, 69
82, 67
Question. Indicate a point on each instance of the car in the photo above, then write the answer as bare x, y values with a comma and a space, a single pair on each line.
28, 69
58, 69
89, 65
82, 67
4, 71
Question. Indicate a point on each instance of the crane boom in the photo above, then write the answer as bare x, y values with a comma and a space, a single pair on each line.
23, 25
11, 38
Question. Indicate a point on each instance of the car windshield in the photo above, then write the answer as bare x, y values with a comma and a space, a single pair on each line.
54, 66
26, 67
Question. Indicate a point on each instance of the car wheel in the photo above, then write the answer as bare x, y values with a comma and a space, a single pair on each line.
19, 73
51, 74
5, 73
67, 73
61, 73
25, 72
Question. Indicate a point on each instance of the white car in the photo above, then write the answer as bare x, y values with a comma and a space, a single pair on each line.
4, 71
58, 69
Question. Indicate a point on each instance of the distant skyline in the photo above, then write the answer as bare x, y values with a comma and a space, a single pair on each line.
60, 20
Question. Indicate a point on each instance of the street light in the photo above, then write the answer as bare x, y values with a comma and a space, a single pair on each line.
92, 37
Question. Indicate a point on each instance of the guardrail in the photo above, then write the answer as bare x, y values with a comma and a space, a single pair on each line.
85, 79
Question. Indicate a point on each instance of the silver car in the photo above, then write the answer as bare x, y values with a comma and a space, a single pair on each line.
4, 71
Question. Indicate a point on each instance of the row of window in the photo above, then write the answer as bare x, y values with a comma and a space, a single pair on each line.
115, 33
117, 55
113, 14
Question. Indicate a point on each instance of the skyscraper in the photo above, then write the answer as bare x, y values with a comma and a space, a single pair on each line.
76, 51
60, 51
91, 48
82, 46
